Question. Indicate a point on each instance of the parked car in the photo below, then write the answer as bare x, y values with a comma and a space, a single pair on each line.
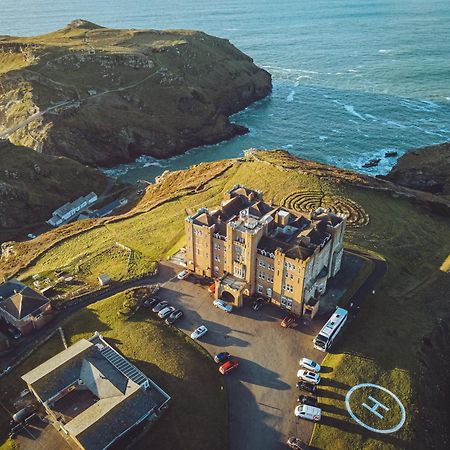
308, 412
31, 236
174, 316
199, 332
183, 275
150, 302
308, 376
14, 332
166, 312
258, 303
221, 357
23, 414
309, 364
223, 305
307, 400
289, 321
227, 367
212, 288
296, 443
159, 306
308, 387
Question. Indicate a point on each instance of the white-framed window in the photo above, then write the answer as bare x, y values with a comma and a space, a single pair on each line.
261, 275
261, 263
270, 267
259, 288
269, 292
216, 271
217, 258
270, 278
216, 246
286, 302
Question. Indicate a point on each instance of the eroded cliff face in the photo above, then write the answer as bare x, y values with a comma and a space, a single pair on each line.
425, 169
33, 185
103, 96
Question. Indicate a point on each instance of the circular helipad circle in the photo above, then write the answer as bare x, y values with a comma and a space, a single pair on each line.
363, 424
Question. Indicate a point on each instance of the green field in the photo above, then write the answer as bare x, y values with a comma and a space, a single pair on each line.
383, 346
197, 415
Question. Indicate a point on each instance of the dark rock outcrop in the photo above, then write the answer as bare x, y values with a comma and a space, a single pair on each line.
425, 169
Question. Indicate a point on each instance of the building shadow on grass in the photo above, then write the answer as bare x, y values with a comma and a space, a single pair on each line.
329, 394
354, 428
334, 383
326, 369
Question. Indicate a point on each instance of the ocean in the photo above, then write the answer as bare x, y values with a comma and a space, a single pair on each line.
352, 79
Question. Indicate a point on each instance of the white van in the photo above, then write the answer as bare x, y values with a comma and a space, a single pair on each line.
308, 412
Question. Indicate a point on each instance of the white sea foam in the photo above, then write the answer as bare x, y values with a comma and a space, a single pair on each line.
323, 138
290, 97
385, 50
351, 110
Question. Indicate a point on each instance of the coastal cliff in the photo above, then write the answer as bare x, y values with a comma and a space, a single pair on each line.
104, 96
33, 185
425, 169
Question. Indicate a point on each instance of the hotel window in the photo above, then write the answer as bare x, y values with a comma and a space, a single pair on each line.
217, 246
259, 288
269, 278
261, 263
217, 258
269, 292
286, 302
261, 275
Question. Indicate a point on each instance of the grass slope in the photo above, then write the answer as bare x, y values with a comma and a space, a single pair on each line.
33, 185
197, 415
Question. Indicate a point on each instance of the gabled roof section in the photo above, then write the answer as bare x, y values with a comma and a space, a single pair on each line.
101, 378
19, 300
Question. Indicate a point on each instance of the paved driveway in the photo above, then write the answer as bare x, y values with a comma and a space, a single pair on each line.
262, 393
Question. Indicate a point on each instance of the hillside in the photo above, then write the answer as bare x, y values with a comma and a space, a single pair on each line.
32, 185
426, 169
387, 344
103, 96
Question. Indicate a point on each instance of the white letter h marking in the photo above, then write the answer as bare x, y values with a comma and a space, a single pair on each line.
375, 406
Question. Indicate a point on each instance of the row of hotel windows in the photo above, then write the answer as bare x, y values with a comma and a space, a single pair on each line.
263, 264
287, 265
262, 276
285, 301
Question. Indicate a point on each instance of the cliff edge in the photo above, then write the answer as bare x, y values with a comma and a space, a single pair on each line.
425, 169
104, 96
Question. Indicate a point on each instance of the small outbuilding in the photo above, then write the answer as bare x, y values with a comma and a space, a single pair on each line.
104, 279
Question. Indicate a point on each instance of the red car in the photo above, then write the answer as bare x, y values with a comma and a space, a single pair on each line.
289, 321
227, 367
212, 288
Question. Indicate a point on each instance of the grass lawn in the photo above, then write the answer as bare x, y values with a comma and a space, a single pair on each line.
197, 416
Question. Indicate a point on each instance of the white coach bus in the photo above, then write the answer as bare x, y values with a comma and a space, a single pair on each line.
330, 330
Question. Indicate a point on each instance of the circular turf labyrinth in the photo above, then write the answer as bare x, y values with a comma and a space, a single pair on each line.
309, 200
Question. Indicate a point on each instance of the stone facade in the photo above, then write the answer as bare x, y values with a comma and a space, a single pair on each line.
254, 248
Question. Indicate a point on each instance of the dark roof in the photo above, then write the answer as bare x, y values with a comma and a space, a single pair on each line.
205, 219
232, 207
120, 403
117, 420
20, 300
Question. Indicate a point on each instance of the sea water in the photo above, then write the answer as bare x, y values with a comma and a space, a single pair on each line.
352, 79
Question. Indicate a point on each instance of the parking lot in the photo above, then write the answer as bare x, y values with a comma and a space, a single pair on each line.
262, 392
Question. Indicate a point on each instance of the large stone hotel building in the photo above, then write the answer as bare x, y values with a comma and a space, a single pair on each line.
253, 248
